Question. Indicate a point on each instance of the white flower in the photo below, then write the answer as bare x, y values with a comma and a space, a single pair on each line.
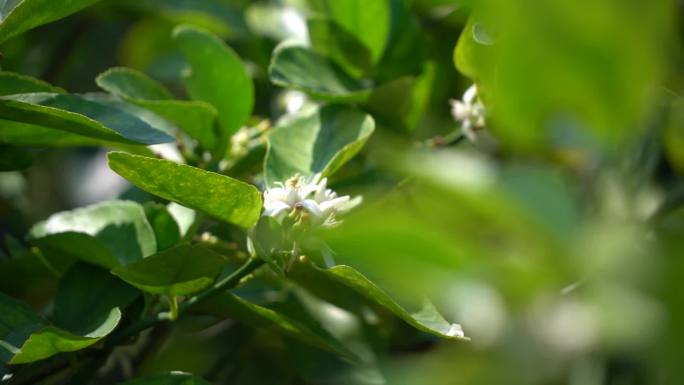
470, 112
239, 142
312, 202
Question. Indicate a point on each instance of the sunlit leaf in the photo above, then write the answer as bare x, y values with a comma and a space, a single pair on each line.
317, 142
217, 76
106, 234
215, 194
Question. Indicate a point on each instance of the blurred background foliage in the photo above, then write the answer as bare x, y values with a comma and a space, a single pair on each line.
554, 239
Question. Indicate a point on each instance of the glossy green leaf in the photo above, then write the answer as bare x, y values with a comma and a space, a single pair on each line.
80, 114
107, 234
13, 158
14, 83
17, 17
317, 142
426, 319
180, 270
86, 296
25, 337
174, 378
368, 20
217, 195
299, 67
217, 76
196, 118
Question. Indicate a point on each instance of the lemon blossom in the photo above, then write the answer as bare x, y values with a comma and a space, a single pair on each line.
313, 201
470, 111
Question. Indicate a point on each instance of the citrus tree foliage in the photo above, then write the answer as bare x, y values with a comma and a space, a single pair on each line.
340, 192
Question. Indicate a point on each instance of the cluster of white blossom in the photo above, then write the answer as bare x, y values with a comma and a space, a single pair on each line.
470, 111
311, 202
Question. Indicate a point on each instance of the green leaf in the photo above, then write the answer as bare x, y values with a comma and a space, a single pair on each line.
298, 67
87, 295
70, 245
174, 378
427, 319
180, 270
217, 195
564, 84
368, 20
318, 142
217, 76
196, 118
24, 134
14, 83
472, 56
12, 158
107, 234
17, 17
307, 331
125, 82
25, 337
80, 114
331, 40
166, 229
183, 216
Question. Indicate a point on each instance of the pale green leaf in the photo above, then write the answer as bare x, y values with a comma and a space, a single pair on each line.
107, 234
